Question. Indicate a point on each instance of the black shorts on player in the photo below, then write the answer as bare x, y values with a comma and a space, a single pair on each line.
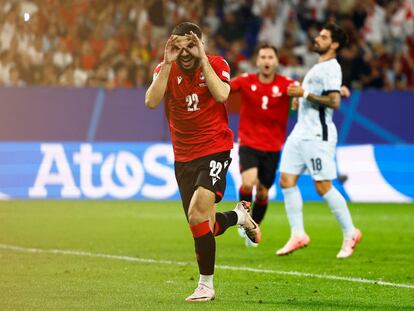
266, 163
208, 172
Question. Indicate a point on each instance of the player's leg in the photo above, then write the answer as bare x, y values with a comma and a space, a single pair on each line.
323, 168
339, 207
261, 202
267, 174
212, 176
186, 175
291, 166
201, 206
248, 162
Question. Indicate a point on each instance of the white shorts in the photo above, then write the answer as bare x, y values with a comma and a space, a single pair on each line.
312, 157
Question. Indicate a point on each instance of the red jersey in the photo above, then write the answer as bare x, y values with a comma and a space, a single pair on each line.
263, 112
198, 123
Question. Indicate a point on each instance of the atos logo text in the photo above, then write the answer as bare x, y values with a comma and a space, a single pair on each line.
94, 175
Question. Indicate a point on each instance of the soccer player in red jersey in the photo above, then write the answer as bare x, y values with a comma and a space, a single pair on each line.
195, 88
262, 129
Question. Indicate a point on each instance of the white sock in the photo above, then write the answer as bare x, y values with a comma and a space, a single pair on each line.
206, 280
241, 216
340, 209
293, 205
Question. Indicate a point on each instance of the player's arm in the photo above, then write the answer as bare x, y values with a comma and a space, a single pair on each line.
219, 89
157, 89
330, 100
235, 84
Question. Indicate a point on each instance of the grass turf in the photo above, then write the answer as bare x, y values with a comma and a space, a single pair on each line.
157, 230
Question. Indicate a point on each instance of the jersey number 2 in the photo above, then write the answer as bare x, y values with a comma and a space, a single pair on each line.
265, 101
192, 102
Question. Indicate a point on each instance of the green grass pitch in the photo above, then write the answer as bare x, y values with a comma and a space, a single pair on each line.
129, 255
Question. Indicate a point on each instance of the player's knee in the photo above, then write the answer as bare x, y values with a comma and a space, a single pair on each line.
286, 182
197, 214
322, 188
196, 217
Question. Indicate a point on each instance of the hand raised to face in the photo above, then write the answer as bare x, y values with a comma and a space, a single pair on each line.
172, 50
195, 46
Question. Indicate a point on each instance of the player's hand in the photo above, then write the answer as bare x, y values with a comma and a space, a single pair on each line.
196, 49
345, 92
295, 104
295, 91
171, 51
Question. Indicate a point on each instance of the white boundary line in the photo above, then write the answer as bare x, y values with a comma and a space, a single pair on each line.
181, 263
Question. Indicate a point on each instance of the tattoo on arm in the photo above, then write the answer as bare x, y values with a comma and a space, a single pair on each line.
331, 100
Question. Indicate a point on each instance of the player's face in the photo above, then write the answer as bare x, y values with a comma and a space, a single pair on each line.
185, 60
267, 61
323, 42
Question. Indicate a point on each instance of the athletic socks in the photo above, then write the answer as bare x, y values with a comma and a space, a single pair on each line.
225, 220
245, 195
205, 247
259, 209
293, 206
340, 209
206, 280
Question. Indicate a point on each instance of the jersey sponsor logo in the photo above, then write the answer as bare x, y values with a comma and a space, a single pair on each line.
179, 79
225, 74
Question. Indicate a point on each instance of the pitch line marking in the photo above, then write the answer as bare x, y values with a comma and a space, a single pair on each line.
181, 263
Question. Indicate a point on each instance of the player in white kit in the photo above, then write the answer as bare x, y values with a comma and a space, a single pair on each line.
310, 148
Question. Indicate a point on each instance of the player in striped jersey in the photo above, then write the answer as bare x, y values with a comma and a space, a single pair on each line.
310, 148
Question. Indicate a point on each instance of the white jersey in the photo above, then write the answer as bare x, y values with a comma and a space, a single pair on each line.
315, 121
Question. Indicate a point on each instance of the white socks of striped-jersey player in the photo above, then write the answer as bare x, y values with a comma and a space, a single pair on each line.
294, 204
339, 208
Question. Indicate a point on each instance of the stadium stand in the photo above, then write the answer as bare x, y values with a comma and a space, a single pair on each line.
111, 44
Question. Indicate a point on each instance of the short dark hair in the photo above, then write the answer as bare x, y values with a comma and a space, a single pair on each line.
265, 46
185, 28
337, 34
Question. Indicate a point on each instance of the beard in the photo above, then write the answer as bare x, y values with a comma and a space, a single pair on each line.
320, 50
188, 69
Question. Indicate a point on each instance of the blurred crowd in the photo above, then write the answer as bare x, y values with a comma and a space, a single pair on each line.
110, 43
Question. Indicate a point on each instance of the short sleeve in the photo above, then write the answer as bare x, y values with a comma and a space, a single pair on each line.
221, 68
332, 79
156, 72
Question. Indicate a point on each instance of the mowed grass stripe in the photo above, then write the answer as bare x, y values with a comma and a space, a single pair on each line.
180, 263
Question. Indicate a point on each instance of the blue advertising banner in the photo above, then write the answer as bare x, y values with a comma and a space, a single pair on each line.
145, 171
